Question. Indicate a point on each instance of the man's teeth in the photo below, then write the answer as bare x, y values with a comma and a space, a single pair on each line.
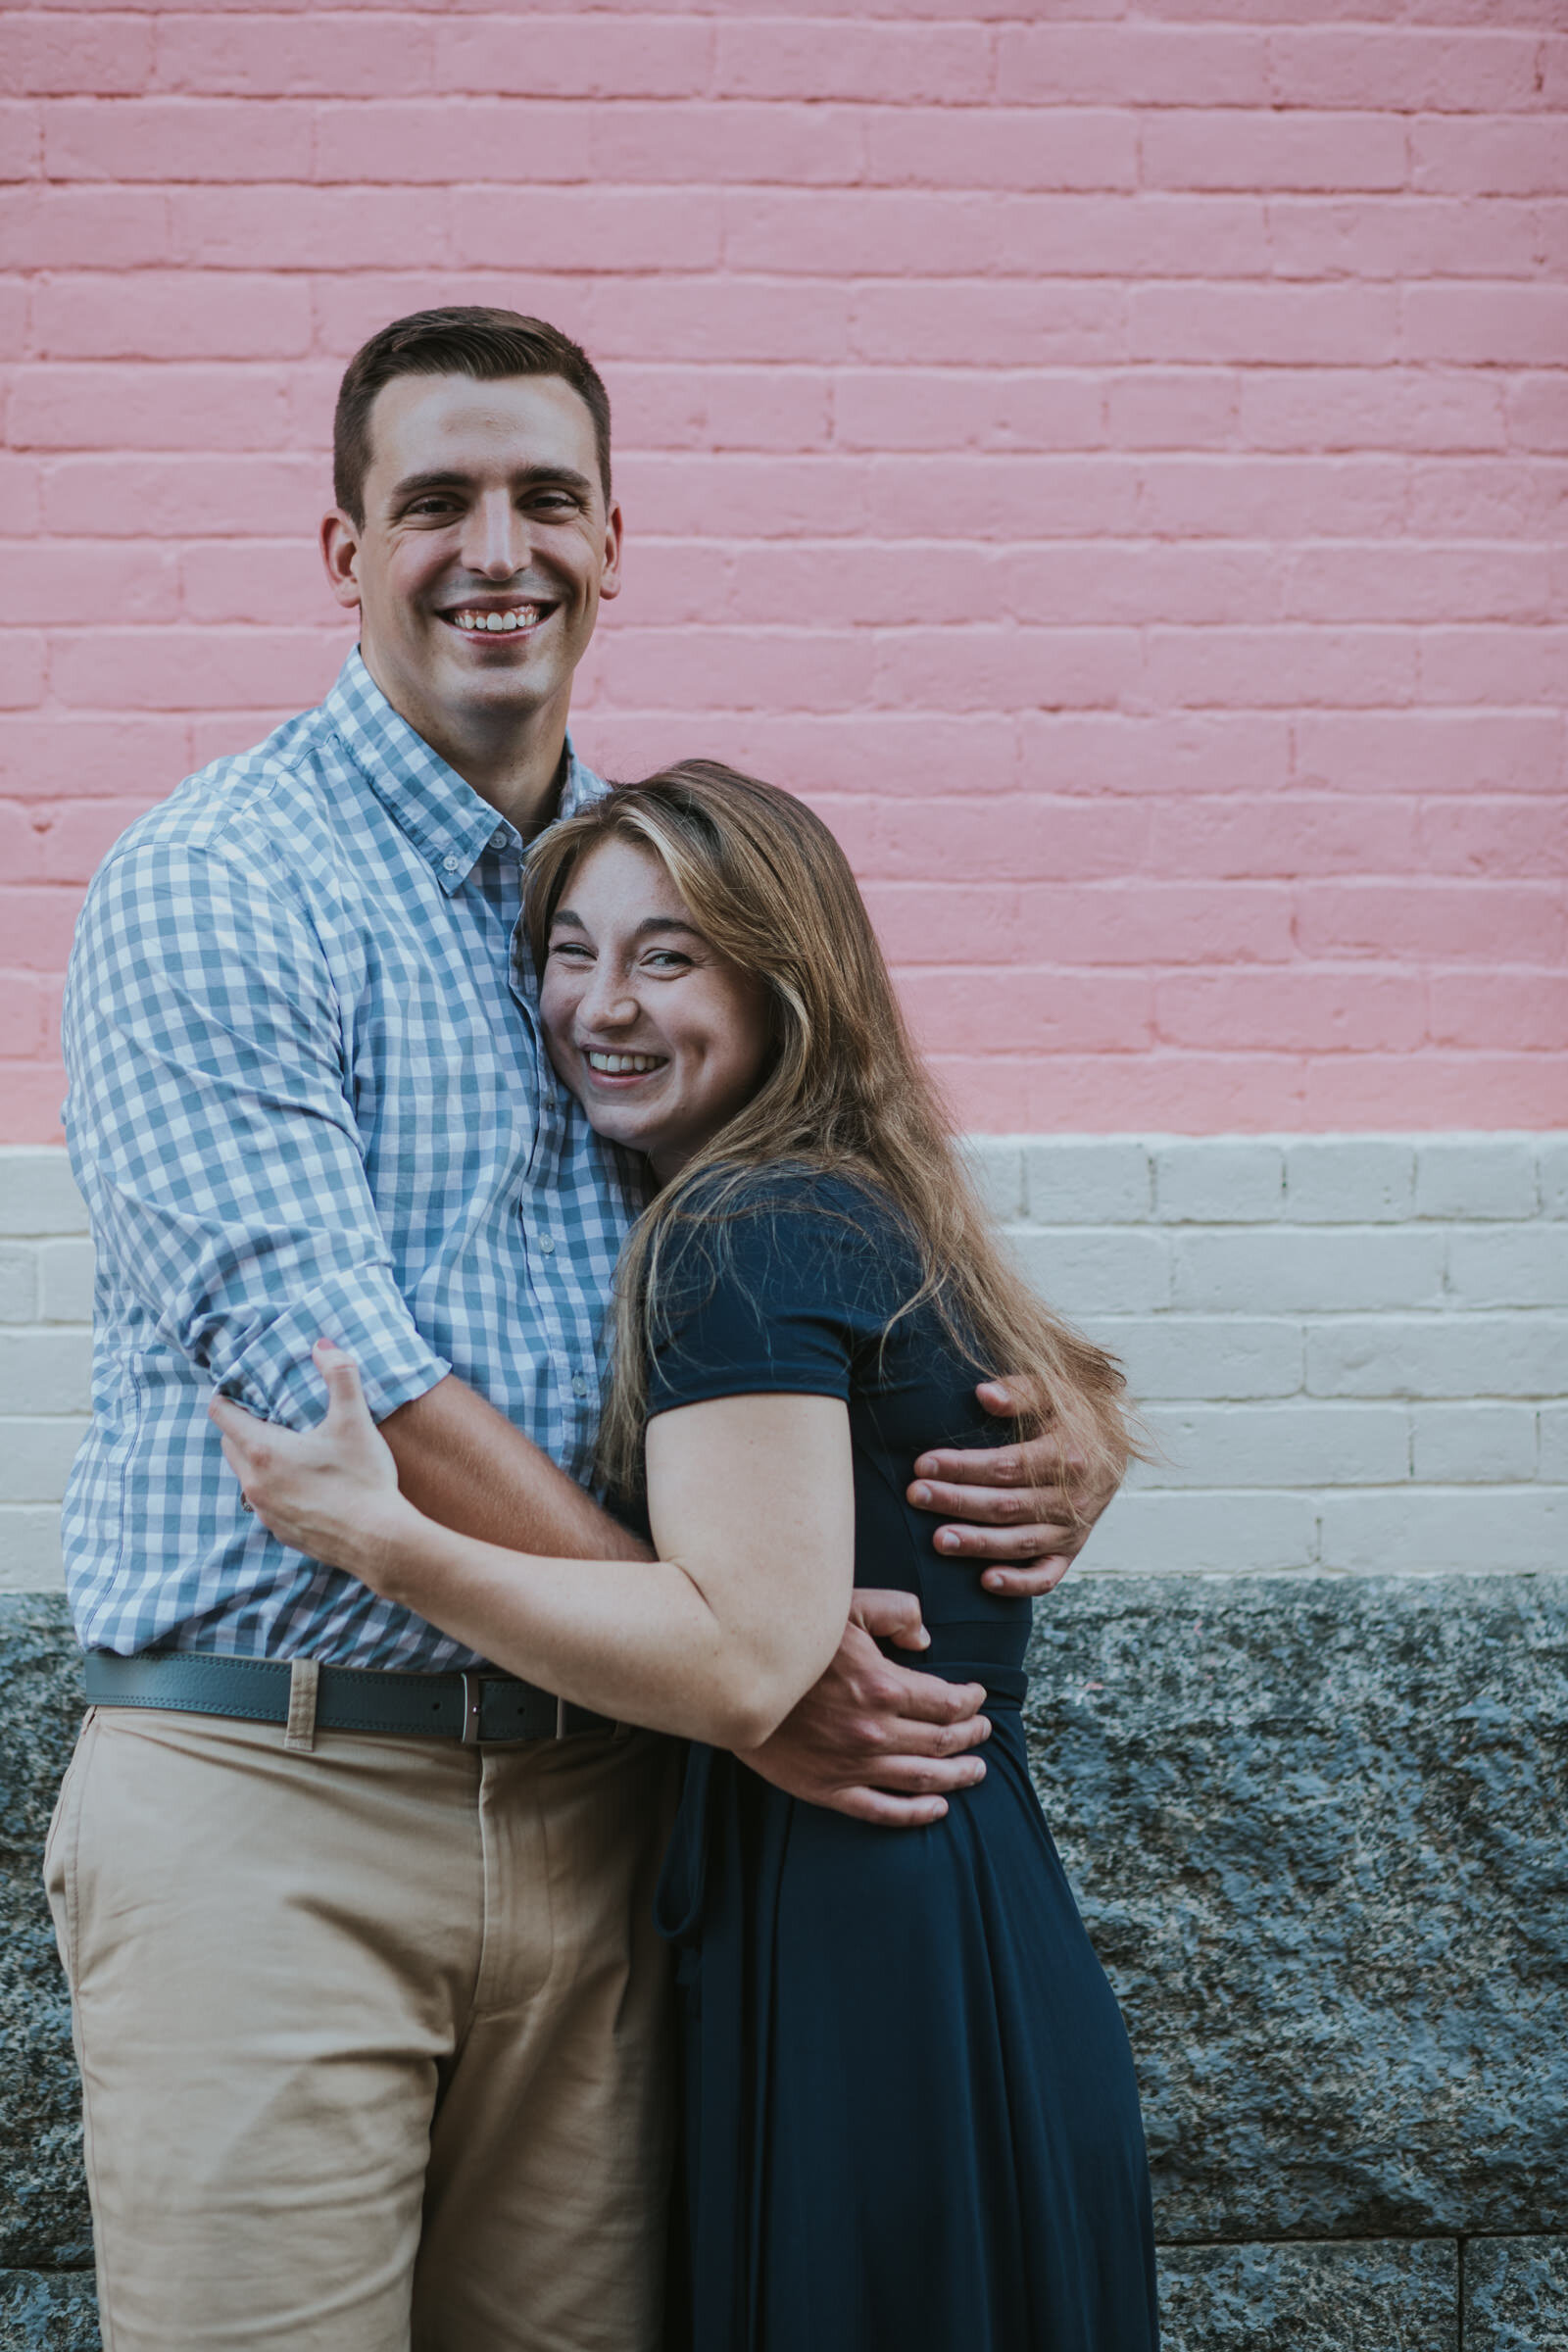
624, 1065
521, 617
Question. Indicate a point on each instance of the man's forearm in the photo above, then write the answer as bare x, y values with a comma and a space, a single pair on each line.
462, 1463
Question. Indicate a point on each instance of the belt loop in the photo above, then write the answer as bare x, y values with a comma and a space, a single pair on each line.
304, 1676
473, 1703
560, 1719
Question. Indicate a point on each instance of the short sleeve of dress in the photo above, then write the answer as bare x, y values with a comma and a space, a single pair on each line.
776, 1296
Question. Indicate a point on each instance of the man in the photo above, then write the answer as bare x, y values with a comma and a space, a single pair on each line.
370, 2023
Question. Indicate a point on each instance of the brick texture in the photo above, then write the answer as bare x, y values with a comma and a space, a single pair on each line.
1351, 1351
1110, 458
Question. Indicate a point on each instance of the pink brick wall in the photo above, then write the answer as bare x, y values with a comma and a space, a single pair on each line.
1107, 457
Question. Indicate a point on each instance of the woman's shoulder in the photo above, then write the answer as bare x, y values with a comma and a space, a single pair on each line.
770, 1280
792, 1227
792, 1201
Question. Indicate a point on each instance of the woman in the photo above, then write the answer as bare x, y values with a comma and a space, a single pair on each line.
910, 2113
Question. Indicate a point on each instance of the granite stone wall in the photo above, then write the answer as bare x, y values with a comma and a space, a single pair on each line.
1315, 1825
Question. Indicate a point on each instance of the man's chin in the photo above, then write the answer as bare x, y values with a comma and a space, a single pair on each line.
520, 685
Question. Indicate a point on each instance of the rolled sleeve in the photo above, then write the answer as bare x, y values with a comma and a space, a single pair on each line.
359, 1309
213, 1132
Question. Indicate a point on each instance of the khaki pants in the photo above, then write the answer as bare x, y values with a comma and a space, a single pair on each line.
373, 2037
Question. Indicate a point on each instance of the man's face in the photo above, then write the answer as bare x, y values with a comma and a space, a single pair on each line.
485, 552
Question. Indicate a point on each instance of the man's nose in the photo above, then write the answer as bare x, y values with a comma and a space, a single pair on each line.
495, 540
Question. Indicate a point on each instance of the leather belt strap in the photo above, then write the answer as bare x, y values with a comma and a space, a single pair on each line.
470, 1707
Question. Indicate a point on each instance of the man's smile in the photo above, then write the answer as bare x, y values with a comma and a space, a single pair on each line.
523, 617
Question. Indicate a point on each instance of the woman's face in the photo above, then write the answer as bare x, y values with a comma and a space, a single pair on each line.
659, 1036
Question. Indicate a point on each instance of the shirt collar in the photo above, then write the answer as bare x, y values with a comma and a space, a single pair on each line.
437, 809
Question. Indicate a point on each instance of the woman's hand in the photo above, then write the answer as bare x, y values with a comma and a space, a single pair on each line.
330, 1492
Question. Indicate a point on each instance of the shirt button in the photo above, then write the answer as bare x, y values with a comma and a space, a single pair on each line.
451, 864
498, 838
579, 1387
547, 1243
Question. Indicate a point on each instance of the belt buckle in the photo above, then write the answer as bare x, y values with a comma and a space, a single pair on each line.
472, 1695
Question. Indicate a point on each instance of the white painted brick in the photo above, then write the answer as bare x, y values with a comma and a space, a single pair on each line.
18, 1282
1551, 1174
995, 1169
64, 1281
1509, 1265
1218, 1180
1439, 1528
1475, 1176
1439, 1355
35, 1458
1251, 1530
1273, 1383
45, 1371
1087, 1180
1205, 1355
1472, 1443
1295, 1445
1080, 1271
37, 1190
29, 1548
1277, 1269
1349, 1180
1552, 1462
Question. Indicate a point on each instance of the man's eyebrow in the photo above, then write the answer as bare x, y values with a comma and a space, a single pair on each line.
449, 477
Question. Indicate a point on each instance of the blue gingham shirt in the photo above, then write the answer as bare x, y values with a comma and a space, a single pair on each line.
308, 1096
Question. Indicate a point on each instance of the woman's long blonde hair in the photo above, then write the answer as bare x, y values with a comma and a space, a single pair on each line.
844, 1094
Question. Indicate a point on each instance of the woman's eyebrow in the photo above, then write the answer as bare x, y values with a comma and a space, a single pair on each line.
666, 922
649, 924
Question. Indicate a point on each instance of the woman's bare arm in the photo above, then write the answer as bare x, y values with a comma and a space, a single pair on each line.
753, 1509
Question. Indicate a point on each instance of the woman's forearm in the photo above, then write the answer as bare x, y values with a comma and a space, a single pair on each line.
753, 1505
636, 1640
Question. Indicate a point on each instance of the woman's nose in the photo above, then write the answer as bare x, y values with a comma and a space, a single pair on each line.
608, 1002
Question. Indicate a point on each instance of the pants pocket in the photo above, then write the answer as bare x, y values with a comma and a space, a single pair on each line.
60, 1847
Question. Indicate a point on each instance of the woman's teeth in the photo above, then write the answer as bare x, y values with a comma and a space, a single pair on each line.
521, 617
624, 1065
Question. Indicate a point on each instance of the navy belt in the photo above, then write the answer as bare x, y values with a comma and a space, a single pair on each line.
470, 1707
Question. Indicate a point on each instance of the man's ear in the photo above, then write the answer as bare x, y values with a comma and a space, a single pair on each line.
340, 553
610, 577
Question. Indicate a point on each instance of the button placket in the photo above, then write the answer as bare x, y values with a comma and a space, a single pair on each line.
552, 1274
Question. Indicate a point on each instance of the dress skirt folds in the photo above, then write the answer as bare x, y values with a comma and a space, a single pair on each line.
910, 2120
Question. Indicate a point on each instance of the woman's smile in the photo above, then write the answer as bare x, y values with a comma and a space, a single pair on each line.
619, 1069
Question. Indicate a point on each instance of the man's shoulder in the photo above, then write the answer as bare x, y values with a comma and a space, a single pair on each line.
272, 802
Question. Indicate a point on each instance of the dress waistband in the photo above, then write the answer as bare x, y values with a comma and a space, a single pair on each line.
979, 1650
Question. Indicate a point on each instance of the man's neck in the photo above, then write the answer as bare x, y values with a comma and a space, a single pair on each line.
514, 760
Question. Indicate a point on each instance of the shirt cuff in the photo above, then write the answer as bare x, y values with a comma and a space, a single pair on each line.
362, 1310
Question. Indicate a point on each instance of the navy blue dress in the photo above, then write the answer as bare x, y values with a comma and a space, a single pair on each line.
910, 2121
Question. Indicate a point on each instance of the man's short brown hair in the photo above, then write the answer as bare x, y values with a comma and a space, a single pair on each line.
466, 339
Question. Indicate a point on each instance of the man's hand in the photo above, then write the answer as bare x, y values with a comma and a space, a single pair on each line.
1028, 1508
876, 1741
